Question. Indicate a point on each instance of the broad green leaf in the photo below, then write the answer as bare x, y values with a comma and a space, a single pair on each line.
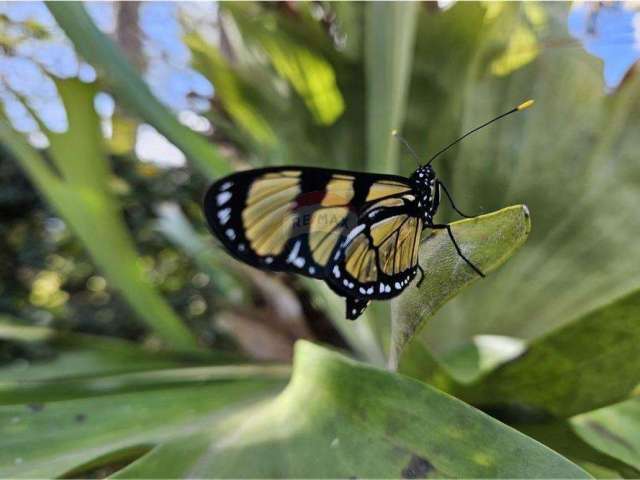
570, 160
488, 241
592, 362
330, 422
91, 210
128, 87
390, 29
614, 430
51, 439
333, 421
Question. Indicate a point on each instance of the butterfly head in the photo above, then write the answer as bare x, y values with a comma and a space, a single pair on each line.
426, 185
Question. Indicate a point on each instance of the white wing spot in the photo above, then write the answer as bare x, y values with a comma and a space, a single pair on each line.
224, 215
226, 186
312, 270
336, 271
299, 262
294, 252
230, 234
353, 233
223, 198
268, 260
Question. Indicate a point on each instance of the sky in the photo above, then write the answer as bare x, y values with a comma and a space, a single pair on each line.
612, 34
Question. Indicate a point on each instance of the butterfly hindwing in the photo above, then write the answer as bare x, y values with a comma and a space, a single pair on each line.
293, 218
379, 257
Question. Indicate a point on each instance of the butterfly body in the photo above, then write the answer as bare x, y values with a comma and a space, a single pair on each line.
358, 232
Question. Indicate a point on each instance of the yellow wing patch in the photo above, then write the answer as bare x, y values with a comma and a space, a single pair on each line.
268, 217
396, 240
324, 232
385, 188
339, 191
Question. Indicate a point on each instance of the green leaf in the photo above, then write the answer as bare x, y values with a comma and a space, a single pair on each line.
614, 430
348, 428
331, 421
231, 89
488, 241
48, 440
389, 39
128, 87
63, 356
561, 168
305, 67
82, 199
561, 437
592, 362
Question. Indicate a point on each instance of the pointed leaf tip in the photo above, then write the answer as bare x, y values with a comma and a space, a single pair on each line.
487, 241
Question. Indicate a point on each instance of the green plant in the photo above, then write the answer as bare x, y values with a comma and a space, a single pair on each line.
557, 403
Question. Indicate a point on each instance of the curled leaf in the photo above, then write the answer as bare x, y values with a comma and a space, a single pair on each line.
488, 241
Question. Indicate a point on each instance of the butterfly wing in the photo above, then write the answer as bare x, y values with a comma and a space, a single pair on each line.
293, 218
379, 256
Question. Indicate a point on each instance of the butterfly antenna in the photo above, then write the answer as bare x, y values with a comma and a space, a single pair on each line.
407, 146
522, 106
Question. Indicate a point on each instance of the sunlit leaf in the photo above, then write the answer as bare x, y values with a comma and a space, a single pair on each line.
347, 428
99, 50
230, 89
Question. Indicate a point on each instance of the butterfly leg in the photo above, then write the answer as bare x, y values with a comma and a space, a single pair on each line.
446, 192
455, 244
421, 276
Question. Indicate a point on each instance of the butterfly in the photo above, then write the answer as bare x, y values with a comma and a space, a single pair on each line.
359, 232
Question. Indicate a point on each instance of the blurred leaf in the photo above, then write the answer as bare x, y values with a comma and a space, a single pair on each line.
358, 335
72, 356
127, 85
311, 75
230, 88
85, 164
83, 430
389, 41
522, 49
591, 362
213, 261
123, 134
559, 435
614, 430
488, 241
484, 354
560, 158
347, 429
82, 199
